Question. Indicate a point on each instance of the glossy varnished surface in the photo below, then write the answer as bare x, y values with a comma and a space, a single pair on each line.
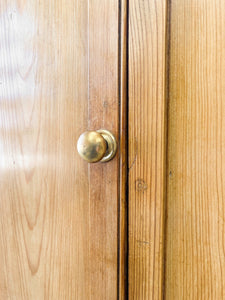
195, 261
58, 216
147, 110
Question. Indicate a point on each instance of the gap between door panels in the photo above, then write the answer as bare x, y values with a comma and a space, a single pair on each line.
166, 175
122, 283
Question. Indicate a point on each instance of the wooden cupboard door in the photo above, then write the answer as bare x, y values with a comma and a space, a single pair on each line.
176, 149
195, 257
58, 214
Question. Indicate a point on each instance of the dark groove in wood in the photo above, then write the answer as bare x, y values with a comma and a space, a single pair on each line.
167, 89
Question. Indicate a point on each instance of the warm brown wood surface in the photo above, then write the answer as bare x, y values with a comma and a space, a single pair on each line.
195, 257
123, 153
58, 215
147, 110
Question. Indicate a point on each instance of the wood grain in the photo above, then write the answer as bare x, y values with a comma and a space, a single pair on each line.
195, 259
147, 116
123, 142
59, 216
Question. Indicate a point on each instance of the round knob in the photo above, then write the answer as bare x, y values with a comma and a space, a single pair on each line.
94, 146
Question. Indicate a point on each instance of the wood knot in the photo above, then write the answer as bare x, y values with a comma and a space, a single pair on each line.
105, 104
141, 185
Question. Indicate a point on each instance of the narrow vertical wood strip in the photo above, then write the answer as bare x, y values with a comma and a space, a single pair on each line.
104, 113
123, 264
147, 126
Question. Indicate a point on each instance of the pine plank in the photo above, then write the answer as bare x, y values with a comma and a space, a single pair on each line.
195, 260
147, 144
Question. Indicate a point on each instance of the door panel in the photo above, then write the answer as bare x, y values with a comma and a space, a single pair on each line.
176, 109
59, 215
147, 116
195, 261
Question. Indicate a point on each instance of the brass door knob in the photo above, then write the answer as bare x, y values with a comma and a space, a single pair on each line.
99, 145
